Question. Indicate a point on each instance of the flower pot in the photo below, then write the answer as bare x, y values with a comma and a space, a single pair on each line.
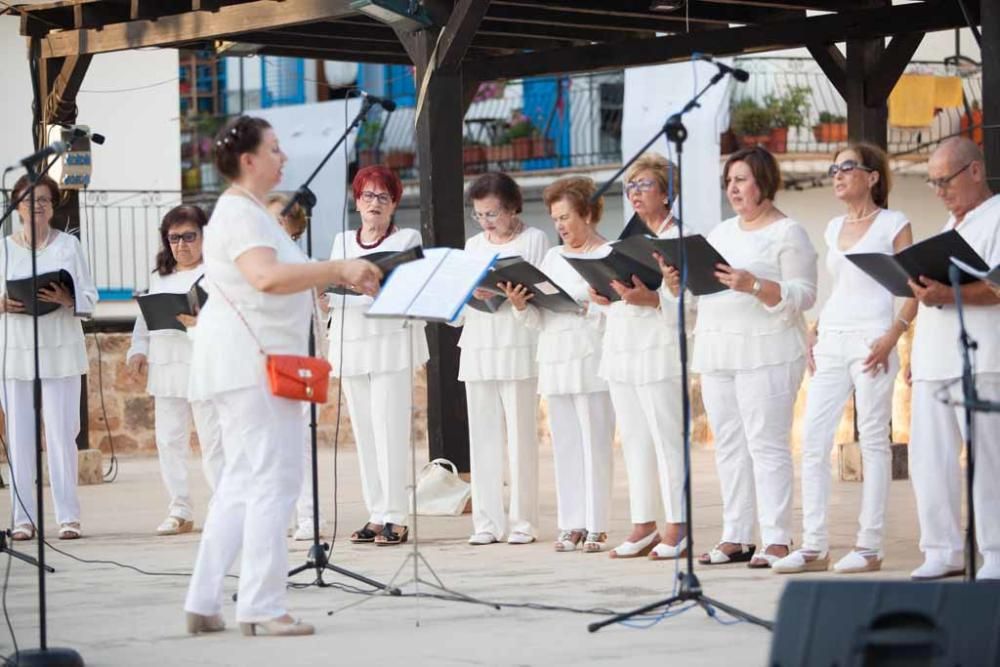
367, 157
499, 153
542, 147
751, 140
728, 143
399, 160
474, 159
830, 133
975, 133
779, 140
522, 148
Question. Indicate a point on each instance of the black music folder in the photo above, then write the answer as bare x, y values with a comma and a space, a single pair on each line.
602, 267
635, 227
928, 258
992, 276
161, 310
701, 258
387, 260
517, 271
20, 290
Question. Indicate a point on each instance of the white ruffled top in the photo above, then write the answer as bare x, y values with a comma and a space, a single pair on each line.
371, 345
62, 351
167, 351
569, 345
496, 346
640, 343
735, 330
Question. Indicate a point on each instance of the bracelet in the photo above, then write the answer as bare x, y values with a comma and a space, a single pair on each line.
756, 287
905, 323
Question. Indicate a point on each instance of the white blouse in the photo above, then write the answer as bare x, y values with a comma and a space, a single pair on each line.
936, 354
569, 345
225, 355
640, 343
62, 351
857, 302
167, 351
735, 330
496, 346
371, 345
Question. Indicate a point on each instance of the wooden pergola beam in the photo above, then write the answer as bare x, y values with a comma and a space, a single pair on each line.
168, 31
695, 11
458, 33
833, 63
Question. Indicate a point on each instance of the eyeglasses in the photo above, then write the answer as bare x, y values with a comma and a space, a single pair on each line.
187, 237
383, 197
645, 185
489, 216
847, 166
39, 201
943, 183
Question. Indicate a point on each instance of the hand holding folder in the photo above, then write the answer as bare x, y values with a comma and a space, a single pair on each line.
545, 293
162, 311
20, 290
386, 260
701, 257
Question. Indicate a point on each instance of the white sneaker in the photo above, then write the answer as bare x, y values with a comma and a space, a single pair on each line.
520, 538
936, 569
480, 539
304, 533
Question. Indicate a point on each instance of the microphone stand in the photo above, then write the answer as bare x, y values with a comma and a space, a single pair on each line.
44, 654
689, 588
318, 557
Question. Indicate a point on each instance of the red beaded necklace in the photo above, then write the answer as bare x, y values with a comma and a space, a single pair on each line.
368, 246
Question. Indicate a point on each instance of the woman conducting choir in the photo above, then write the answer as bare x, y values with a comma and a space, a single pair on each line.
62, 358
750, 348
581, 418
855, 351
165, 354
641, 362
260, 289
375, 359
498, 367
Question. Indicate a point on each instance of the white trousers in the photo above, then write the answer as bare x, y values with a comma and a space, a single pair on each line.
251, 506
838, 371
380, 406
583, 428
496, 407
172, 427
61, 418
937, 437
751, 417
651, 426
304, 505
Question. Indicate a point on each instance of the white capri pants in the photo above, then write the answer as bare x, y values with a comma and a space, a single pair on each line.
61, 418
262, 437
751, 417
172, 426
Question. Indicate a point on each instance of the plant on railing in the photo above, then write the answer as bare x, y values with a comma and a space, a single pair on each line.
367, 142
750, 122
787, 110
520, 134
473, 155
831, 129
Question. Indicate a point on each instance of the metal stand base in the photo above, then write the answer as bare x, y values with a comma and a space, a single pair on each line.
318, 560
4, 548
50, 657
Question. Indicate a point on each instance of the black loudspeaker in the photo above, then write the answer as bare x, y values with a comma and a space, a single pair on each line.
887, 624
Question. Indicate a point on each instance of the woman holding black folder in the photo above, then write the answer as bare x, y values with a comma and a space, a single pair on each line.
750, 348
62, 357
581, 418
854, 350
165, 355
640, 361
500, 373
375, 359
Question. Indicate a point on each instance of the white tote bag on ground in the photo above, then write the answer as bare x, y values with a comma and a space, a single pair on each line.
440, 491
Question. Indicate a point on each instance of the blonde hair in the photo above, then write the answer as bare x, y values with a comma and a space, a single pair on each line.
664, 172
296, 218
577, 191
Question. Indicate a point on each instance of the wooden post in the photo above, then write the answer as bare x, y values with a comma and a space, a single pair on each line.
866, 118
990, 19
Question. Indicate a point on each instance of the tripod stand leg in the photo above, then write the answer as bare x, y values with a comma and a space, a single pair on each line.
669, 602
388, 588
708, 604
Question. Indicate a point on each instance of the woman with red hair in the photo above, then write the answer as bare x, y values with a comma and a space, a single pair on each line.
374, 359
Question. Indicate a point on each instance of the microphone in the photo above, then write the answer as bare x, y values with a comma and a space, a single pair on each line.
383, 102
55, 148
79, 131
740, 75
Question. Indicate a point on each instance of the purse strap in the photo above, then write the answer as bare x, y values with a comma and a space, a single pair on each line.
215, 287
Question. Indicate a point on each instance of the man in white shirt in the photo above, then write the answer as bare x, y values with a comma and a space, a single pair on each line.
957, 173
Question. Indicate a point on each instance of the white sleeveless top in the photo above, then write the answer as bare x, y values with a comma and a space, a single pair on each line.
857, 302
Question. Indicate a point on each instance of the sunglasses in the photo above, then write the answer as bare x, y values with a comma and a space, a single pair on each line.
847, 166
187, 237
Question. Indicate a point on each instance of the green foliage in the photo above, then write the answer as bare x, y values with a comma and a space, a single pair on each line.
788, 109
748, 118
368, 135
828, 117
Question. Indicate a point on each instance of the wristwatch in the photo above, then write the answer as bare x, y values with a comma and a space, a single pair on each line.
756, 287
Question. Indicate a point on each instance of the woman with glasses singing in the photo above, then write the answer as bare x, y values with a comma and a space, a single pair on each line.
500, 373
165, 355
375, 359
750, 348
854, 351
640, 361
62, 357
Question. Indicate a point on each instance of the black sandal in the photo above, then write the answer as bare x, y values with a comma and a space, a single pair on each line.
364, 536
389, 538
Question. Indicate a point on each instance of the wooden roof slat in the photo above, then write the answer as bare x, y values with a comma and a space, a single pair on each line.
697, 11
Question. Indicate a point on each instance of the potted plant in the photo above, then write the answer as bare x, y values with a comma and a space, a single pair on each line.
521, 134
473, 156
831, 129
786, 110
501, 150
972, 122
367, 142
398, 160
750, 122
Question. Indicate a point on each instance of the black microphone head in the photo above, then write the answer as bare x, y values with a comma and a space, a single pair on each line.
97, 138
741, 75
388, 105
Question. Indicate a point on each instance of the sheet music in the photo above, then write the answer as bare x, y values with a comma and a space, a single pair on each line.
991, 276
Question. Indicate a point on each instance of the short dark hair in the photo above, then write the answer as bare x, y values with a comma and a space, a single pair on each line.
576, 191
500, 185
165, 260
874, 158
240, 135
762, 165
22, 184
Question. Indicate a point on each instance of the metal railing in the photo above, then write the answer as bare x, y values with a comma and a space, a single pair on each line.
778, 76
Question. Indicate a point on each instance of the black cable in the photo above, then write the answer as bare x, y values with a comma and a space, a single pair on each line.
124, 566
111, 474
